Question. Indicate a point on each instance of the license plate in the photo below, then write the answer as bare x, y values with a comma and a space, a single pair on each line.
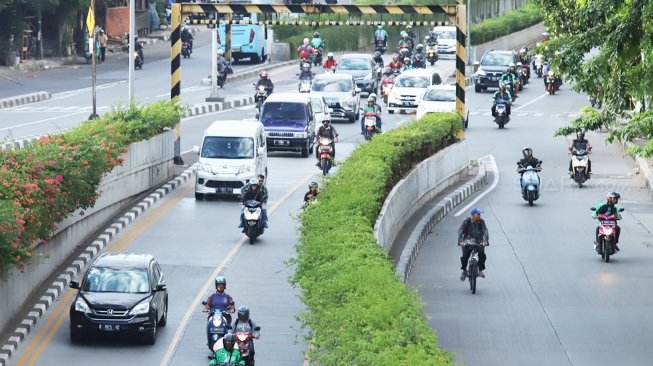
608, 222
281, 142
223, 190
110, 327
494, 78
405, 104
235, 51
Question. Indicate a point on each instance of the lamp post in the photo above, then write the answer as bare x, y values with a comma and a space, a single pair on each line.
132, 48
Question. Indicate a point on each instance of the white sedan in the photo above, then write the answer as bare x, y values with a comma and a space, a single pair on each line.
437, 98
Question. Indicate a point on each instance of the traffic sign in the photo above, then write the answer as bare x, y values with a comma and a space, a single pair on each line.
90, 20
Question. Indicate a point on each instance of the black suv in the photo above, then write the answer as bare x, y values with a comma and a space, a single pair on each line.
120, 293
492, 66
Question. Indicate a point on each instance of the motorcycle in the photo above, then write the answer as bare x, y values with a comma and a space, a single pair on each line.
369, 120
579, 166
551, 84
253, 220
380, 47
326, 162
530, 183
138, 61
243, 339
431, 54
185, 49
386, 87
260, 97
217, 326
510, 86
607, 235
405, 51
523, 76
501, 117
305, 85
317, 56
538, 65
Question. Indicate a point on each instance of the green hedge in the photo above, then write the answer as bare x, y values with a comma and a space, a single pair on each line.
45, 182
358, 311
343, 38
511, 22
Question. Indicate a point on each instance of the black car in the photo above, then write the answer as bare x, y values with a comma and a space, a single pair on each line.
363, 68
120, 293
492, 66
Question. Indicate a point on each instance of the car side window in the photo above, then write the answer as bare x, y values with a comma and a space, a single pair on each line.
310, 111
262, 138
157, 276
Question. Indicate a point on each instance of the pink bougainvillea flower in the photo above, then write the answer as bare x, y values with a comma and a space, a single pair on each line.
59, 178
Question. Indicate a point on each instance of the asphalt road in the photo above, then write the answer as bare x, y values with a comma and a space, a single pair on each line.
195, 240
547, 299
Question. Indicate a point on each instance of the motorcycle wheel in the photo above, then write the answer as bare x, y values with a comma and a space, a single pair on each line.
251, 233
501, 124
432, 62
578, 178
324, 163
368, 135
607, 249
473, 274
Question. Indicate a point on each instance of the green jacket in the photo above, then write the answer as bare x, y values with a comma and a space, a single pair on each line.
373, 109
507, 76
222, 356
262, 188
604, 209
317, 43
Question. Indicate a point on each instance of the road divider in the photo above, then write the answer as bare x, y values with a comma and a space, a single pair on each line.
24, 99
644, 168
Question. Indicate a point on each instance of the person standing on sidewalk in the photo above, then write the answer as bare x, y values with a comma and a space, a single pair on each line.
103, 44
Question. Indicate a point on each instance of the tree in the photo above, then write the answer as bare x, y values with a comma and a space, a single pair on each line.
606, 48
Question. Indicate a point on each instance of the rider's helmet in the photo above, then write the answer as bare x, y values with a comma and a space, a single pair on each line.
419, 47
220, 52
395, 57
326, 121
306, 41
220, 281
316, 35
253, 183
523, 50
406, 60
550, 73
409, 26
580, 134
377, 54
264, 75
404, 34
312, 185
228, 341
243, 313
426, 39
519, 64
511, 66
330, 55
379, 27
527, 152
372, 96
370, 100
613, 197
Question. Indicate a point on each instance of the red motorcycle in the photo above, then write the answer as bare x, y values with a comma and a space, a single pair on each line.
243, 339
605, 245
386, 87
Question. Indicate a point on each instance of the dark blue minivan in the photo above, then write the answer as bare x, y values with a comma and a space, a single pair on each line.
289, 123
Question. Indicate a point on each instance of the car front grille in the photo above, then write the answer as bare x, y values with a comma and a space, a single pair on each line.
408, 98
111, 313
224, 184
280, 134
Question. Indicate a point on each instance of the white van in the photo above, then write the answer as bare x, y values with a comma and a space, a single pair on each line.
232, 153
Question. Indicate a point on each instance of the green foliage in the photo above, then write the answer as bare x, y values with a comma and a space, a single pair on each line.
44, 183
606, 48
510, 22
358, 310
344, 38
589, 120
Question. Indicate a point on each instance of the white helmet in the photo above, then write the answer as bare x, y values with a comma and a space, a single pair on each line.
220, 51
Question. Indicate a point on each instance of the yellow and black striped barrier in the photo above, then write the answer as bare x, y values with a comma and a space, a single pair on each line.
320, 23
461, 58
189, 8
175, 71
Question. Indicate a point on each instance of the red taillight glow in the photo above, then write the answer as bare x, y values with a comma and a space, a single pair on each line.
251, 35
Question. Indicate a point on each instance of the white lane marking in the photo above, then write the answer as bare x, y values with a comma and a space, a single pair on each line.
531, 102
491, 165
74, 92
41, 121
181, 328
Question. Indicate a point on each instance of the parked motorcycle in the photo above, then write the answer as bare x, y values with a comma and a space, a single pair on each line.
369, 120
217, 326
324, 146
432, 54
530, 183
253, 220
260, 97
607, 235
579, 166
185, 49
305, 85
501, 117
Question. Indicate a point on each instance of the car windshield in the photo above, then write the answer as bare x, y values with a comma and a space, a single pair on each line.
440, 95
413, 82
219, 147
332, 85
317, 105
442, 34
117, 279
283, 110
496, 59
354, 64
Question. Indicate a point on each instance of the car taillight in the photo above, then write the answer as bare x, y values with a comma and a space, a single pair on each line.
251, 35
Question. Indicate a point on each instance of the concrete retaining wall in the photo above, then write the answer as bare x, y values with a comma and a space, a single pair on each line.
147, 164
514, 41
423, 183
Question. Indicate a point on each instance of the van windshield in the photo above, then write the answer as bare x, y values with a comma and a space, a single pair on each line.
219, 147
283, 110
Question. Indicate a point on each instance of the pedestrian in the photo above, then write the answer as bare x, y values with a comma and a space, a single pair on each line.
103, 44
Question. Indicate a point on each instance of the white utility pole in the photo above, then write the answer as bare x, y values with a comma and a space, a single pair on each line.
132, 48
214, 62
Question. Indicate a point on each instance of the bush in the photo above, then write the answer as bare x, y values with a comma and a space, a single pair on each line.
357, 309
44, 183
511, 22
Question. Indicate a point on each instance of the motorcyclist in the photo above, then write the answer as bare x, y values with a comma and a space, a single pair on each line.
317, 42
305, 51
528, 160
187, 37
244, 323
313, 192
371, 107
255, 194
609, 208
306, 72
330, 63
431, 40
395, 64
266, 82
228, 354
419, 50
138, 47
523, 56
418, 61
407, 64
473, 228
411, 35
326, 131
261, 187
545, 36
381, 35
404, 41
508, 75
581, 143
378, 59
220, 301
504, 94
222, 65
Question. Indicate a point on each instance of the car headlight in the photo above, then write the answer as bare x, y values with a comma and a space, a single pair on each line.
142, 308
82, 306
246, 169
348, 102
481, 72
205, 168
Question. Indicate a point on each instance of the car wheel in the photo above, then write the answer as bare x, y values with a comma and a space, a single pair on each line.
352, 119
391, 111
76, 336
477, 88
305, 152
150, 336
164, 317
199, 196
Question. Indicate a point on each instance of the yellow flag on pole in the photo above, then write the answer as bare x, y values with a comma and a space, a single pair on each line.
90, 20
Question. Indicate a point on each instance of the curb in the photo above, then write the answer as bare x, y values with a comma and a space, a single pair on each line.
206, 108
435, 215
24, 99
644, 168
77, 266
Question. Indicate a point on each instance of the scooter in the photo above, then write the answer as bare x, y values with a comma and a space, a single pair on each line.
217, 326
324, 146
431, 54
317, 57
305, 85
530, 183
607, 235
579, 166
369, 120
501, 117
551, 84
386, 87
380, 47
253, 220
244, 339
185, 49
260, 97
538, 62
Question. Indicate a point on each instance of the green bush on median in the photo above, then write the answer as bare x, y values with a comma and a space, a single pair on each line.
503, 25
43, 183
358, 312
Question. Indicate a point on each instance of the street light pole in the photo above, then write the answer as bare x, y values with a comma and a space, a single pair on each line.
132, 48
469, 32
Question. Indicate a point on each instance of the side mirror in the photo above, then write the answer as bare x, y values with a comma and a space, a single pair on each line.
230, 327
593, 209
257, 328
196, 149
357, 90
621, 210
74, 284
160, 287
203, 302
475, 66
